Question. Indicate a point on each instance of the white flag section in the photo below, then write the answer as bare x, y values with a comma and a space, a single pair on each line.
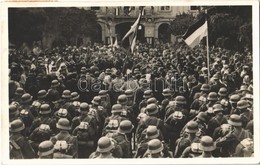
196, 32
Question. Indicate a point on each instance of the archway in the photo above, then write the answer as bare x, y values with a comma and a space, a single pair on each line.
122, 28
164, 33
98, 34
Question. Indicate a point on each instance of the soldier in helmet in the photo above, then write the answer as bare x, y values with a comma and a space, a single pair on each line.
104, 149
62, 113
105, 101
217, 120
75, 103
207, 145
245, 113
233, 138
224, 101
41, 100
20, 148
46, 150
18, 95
26, 104
167, 93
64, 134
191, 130
180, 105
155, 148
147, 95
13, 113
122, 100
44, 118
233, 101
66, 103
208, 106
151, 119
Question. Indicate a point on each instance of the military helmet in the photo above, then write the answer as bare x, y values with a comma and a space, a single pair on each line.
41, 94
45, 148
122, 99
152, 132
66, 94
212, 96
16, 126
155, 146
117, 108
152, 109
45, 109
180, 100
222, 91
26, 98
207, 144
125, 126
242, 104
205, 87
63, 124
104, 145
152, 101
192, 127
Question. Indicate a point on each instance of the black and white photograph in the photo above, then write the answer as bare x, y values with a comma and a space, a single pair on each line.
131, 82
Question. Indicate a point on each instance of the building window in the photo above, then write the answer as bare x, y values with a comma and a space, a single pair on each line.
165, 8
95, 8
194, 8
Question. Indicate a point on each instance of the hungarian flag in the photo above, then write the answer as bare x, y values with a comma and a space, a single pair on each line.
132, 33
196, 32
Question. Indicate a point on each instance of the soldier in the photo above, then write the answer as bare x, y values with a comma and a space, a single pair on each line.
46, 150
41, 100
245, 148
182, 143
40, 134
208, 106
121, 138
104, 149
207, 145
20, 148
147, 94
150, 119
66, 103
233, 101
155, 148
245, 113
13, 113
112, 122
180, 105
60, 150
217, 120
233, 138
86, 139
85, 116
122, 100
26, 104
64, 127
53, 92
116, 84
192, 151
75, 103
44, 118
18, 94
62, 113
105, 101
223, 100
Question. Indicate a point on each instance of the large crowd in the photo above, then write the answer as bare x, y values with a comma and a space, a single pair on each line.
99, 101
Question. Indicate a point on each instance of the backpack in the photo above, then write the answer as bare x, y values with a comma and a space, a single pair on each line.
15, 149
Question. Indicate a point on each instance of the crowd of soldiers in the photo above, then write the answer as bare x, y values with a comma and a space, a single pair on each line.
103, 102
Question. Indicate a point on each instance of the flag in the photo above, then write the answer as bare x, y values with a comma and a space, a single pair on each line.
132, 33
196, 32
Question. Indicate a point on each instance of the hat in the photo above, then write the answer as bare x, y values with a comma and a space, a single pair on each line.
180, 100
234, 98
55, 83
212, 96
13, 110
202, 116
26, 98
205, 87
45, 109
148, 94
62, 113
16, 126
242, 104
45, 148
104, 145
152, 101
102, 93
235, 120
74, 96
96, 100
84, 107
217, 108
63, 124
41, 94
207, 144
151, 109
122, 99
19, 92
167, 92
125, 126
155, 146
117, 108
152, 132
61, 145
222, 91
66, 94
192, 127
129, 93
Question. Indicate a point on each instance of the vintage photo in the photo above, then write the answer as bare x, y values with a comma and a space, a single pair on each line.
98, 82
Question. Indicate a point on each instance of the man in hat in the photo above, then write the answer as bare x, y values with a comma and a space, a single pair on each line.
207, 145
147, 95
233, 101
245, 113
151, 119
191, 129
154, 150
116, 84
64, 128
104, 149
26, 103
105, 101
18, 94
208, 106
53, 93
237, 134
180, 105
13, 113
46, 150
224, 101
20, 148
217, 120
121, 137
44, 118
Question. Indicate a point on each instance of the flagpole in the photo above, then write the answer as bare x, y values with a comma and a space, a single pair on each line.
207, 42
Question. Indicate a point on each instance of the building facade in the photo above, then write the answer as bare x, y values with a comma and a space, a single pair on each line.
154, 23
